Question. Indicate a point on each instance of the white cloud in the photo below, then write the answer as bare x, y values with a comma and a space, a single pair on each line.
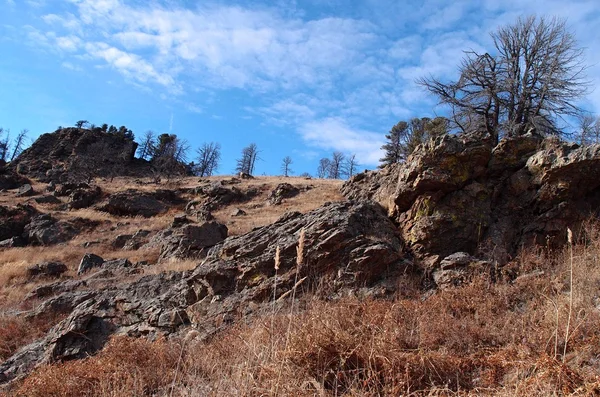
71, 66
334, 134
130, 65
68, 43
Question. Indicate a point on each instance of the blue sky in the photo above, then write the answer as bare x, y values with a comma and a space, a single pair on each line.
298, 78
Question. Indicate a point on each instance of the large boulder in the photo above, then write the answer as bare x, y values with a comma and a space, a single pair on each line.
131, 203
461, 193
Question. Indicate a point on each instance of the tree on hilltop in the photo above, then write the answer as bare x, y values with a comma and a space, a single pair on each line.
285, 166
405, 136
208, 156
247, 162
533, 80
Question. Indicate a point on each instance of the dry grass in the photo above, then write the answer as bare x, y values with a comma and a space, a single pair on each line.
261, 213
503, 338
14, 262
16, 332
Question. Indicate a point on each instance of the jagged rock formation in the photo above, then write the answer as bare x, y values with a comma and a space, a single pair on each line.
74, 153
459, 193
347, 246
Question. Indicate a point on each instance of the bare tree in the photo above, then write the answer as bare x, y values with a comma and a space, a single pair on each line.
534, 81
336, 166
351, 165
285, 166
323, 169
147, 145
81, 123
4, 144
588, 131
209, 155
247, 162
18, 143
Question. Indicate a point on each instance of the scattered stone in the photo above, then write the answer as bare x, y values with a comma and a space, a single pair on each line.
47, 269
13, 242
243, 175
238, 212
89, 261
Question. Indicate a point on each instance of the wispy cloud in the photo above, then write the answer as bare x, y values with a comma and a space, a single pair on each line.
334, 134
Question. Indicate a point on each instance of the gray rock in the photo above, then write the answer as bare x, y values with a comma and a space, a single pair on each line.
13, 242
45, 230
180, 220
190, 241
47, 199
461, 193
121, 240
25, 191
281, 192
89, 261
238, 212
132, 203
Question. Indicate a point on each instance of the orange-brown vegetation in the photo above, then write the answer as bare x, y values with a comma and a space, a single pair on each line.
502, 334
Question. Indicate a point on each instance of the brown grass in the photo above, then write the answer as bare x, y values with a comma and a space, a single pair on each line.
16, 332
502, 338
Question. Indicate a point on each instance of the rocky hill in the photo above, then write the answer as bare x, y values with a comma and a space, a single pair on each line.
240, 250
76, 153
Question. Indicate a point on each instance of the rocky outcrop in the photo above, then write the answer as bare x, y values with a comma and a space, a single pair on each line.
14, 219
346, 246
460, 193
131, 203
45, 230
189, 241
281, 192
9, 179
74, 153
